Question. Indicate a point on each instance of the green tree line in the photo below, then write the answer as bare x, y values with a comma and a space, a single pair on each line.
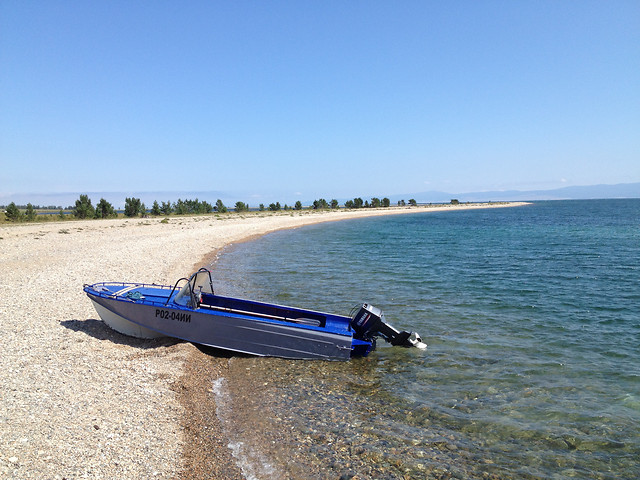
134, 207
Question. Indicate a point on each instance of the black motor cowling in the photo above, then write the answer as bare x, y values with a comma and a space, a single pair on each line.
368, 322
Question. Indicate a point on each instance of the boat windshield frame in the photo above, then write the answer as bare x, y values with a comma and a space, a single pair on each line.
191, 292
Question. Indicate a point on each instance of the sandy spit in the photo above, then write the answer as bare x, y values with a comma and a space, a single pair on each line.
78, 400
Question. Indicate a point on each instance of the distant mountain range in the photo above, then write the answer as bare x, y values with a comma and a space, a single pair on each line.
622, 190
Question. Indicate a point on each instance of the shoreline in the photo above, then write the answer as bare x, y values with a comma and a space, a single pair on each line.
77, 399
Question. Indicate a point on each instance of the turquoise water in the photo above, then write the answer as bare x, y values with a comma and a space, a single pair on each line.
532, 317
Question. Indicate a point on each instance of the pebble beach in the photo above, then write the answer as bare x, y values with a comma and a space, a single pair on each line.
79, 400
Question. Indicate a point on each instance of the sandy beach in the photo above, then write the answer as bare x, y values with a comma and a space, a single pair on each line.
78, 400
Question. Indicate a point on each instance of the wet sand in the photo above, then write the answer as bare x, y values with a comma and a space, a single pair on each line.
80, 400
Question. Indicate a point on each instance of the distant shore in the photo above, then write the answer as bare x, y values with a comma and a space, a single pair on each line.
79, 399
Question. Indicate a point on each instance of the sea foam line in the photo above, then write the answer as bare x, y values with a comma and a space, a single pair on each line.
252, 462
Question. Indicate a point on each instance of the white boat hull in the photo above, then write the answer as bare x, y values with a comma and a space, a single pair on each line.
124, 326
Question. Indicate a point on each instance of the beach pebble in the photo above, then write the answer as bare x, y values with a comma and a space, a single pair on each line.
91, 402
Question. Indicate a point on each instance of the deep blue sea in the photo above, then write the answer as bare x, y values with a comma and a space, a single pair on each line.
532, 319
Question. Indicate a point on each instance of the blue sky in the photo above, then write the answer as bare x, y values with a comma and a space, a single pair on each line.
267, 101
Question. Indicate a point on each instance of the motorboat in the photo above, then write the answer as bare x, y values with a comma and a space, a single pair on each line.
190, 310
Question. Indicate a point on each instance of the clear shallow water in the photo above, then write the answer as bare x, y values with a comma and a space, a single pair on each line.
532, 317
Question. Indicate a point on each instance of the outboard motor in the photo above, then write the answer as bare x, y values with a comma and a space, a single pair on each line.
368, 322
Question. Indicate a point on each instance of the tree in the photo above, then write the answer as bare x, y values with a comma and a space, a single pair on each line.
198, 207
261, 207
334, 204
386, 202
133, 207
320, 204
375, 202
13, 214
298, 205
357, 202
31, 213
220, 207
401, 203
166, 208
83, 208
105, 210
180, 207
61, 215
155, 209
192, 207
455, 201
205, 207
412, 202
241, 207
349, 204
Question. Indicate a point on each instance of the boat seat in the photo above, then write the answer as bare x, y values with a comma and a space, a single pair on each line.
255, 309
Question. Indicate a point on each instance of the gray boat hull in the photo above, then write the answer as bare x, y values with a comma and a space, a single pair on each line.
230, 331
